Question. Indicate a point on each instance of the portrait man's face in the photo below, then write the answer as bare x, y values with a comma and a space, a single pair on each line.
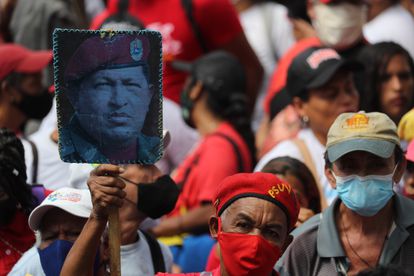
113, 104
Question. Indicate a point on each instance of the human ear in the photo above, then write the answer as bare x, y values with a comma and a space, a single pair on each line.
299, 106
330, 177
195, 91
213, 226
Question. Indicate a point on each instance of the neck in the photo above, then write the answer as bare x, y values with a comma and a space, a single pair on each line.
321, 137
376, 9
375, 225
206, 122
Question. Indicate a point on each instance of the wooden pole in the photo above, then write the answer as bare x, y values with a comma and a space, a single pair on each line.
114, 242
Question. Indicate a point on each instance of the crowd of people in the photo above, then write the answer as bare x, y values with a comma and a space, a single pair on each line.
290, 150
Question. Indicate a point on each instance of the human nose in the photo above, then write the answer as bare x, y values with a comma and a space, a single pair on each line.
118, 98
396, 83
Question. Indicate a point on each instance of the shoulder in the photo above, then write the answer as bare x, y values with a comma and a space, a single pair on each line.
28, 264
285, 148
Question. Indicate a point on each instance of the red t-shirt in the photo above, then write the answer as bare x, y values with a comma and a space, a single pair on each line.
279, 77
213, 160
15, 239
217, 20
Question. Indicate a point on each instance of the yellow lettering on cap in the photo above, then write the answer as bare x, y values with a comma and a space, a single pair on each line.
282, 187
358, 121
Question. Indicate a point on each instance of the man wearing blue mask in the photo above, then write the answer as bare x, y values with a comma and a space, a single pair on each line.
59, 219
368, 224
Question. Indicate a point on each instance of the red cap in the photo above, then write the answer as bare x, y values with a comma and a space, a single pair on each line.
15, 58
115, 51
410, 152
265, 186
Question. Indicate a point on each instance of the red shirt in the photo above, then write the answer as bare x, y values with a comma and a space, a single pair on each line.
15, 239
217, 20
213, 160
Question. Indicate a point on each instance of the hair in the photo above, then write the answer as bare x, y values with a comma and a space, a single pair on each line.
13, 170
398, 153
286, 165
231, 106
376, 58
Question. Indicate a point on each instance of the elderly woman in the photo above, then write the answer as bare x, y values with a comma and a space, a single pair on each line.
321, 86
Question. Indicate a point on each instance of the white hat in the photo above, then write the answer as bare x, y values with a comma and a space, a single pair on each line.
74, 201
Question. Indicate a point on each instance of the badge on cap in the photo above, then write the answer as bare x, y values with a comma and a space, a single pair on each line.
357, 121
136, 49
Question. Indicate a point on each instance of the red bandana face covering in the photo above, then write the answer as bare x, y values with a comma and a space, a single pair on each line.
247, 255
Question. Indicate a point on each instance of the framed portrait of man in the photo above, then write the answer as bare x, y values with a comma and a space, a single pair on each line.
109, 96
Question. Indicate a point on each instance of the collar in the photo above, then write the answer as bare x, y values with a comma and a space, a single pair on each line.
328, 242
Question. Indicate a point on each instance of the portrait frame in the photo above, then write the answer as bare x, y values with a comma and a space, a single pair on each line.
94, 125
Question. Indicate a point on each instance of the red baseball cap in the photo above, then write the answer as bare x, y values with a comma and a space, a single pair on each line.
16, 58
265, 186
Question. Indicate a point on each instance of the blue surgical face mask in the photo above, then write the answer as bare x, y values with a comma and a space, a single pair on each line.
53, 257
365, 195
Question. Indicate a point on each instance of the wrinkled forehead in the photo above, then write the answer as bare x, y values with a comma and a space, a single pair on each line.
259, 210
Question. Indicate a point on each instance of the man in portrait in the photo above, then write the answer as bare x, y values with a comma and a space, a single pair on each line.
107, 82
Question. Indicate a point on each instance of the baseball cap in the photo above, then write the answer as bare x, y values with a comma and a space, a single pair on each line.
16, 58
313, 68
373, 132
74, 201
217, 70
97, 53
265, 186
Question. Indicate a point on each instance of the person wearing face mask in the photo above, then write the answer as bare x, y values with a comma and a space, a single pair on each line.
368, 224
214, 103
23, 96
338, 24
62, 215
58, 219
17, 200
254, 213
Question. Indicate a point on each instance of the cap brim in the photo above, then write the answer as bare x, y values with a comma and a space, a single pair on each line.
37, 214
328, 73
381, 148
34, 62
182, 66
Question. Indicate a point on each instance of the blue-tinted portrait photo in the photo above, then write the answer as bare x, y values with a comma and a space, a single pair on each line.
109, 96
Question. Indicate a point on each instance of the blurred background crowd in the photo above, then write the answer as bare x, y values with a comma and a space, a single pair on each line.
269, 79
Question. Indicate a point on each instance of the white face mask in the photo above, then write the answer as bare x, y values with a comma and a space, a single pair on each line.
339, 26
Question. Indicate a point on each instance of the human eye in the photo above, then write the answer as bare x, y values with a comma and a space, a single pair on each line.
132, 84
102, 84
244, 226
272, 235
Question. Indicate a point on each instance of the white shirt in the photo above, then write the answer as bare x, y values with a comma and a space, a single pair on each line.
270, 33
393, 24
316, 149
52, 172
135, 260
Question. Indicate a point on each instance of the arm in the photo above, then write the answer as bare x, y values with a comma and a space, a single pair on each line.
107, 191
194, 219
